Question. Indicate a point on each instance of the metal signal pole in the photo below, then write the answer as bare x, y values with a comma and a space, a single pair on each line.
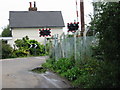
77, 10
82, 16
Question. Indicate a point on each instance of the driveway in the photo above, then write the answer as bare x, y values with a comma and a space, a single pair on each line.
16, 74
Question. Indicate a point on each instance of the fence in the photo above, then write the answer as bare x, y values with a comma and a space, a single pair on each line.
72, 46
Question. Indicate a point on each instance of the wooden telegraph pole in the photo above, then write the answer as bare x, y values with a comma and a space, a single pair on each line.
82, 16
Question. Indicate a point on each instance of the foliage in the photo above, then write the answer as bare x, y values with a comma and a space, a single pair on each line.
106, 22
97, 52
6, 50
24, 49
91, 74
22, 43
21, 53
6, 32
48, 45
70, 35
71, 74
101, 71
59, 66
40, 49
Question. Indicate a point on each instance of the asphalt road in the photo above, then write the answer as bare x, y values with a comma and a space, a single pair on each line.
16, 74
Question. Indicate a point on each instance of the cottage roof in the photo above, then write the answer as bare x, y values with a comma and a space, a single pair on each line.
34, 19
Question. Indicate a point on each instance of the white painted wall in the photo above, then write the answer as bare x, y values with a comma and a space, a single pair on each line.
32, 33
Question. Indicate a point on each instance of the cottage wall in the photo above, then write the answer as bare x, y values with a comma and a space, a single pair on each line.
32, 33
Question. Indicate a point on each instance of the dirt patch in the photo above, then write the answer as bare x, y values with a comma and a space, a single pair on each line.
39, 70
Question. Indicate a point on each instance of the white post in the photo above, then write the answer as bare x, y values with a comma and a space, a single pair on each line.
45, 44
75, 47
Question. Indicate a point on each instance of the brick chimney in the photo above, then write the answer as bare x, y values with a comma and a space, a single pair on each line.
35, 8
32, 8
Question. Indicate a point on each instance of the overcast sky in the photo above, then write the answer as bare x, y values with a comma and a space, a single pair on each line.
68, 8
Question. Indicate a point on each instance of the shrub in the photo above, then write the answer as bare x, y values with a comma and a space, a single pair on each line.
72, 74
62, 65
24, 49
107, 76
21, 53
98, 74
6, 51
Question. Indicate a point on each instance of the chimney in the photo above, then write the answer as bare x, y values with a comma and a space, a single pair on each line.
34, 4
32, 8
30, 4
35, 8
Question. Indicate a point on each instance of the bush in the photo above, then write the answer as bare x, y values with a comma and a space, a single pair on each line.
72, 74
98, 74
59, 66
62, 65
24, 49
107, 76
6, 51
21, 53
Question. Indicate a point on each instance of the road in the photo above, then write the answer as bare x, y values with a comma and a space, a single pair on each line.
16, 74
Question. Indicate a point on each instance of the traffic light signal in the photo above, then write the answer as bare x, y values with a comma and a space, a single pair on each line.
45, 32
73, 27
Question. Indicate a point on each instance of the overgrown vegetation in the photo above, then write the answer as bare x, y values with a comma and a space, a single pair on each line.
106, 22
102, 70
23, 48
91, 74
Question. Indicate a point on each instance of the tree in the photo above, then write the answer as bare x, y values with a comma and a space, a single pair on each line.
106, 22
6, 32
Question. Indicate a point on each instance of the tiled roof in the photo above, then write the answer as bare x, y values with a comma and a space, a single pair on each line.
33, 19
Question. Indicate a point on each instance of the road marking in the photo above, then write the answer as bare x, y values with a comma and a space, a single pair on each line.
52, 82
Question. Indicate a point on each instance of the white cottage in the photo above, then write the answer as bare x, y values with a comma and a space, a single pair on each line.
28, 23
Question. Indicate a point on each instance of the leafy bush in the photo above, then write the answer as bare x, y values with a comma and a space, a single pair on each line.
6, 51
21, 53
24, 49
59, 66
62, 65
72, 74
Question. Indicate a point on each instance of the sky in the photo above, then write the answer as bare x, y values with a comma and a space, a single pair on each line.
67, 7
